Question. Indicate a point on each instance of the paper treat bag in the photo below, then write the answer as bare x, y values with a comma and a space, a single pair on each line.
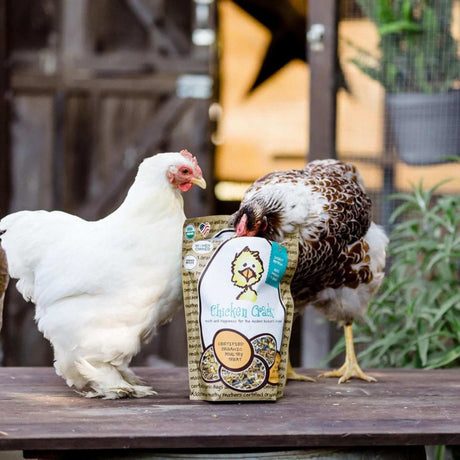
238, 310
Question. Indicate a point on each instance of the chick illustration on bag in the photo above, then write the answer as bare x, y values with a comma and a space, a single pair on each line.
247, 269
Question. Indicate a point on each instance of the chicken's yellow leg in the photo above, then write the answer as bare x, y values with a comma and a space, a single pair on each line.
351, 367
293, 375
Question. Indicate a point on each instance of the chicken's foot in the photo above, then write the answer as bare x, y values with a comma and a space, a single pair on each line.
351, 367
294, 375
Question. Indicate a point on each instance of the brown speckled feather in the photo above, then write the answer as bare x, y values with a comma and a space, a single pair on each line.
327, 202
329, 256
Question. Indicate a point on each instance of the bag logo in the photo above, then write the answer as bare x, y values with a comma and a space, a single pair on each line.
204, 228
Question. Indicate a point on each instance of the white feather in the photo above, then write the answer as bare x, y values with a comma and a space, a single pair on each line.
101, 288
344, 303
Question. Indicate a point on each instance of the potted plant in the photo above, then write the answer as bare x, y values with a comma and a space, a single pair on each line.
419, 66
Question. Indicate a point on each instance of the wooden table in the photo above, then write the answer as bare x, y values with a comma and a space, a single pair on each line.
38, 412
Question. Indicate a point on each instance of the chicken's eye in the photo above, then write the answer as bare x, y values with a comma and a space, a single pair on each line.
185, 171
245, 264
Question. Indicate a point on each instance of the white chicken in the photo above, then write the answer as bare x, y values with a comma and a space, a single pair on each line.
101, 288
341, 252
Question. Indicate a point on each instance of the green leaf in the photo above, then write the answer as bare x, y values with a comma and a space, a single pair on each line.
399, 26
384, 12
423, 343
447, 358
401, 209
430, 20
419, 245
407, 10
402, 196
437, 185
442, 222
438, 256
440, 453
447, 305
373, 72
454, 321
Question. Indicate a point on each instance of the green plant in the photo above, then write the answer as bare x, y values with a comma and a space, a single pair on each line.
415, 320
417, 50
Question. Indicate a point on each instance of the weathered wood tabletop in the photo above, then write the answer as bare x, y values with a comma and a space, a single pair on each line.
39, 412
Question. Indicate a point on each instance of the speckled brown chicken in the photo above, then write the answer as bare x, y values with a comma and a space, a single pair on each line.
341, 251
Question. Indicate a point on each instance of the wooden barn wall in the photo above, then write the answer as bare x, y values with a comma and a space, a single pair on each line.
78, 136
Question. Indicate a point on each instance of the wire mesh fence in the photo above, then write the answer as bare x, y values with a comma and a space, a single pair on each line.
401, 59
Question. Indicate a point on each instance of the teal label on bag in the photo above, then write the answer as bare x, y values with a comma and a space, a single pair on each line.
277, 265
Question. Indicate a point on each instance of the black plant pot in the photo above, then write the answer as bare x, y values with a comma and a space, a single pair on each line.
425, 127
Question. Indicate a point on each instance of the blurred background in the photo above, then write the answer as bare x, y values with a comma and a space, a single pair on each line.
89, 88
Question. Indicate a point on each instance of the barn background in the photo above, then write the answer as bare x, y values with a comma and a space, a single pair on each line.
91, 87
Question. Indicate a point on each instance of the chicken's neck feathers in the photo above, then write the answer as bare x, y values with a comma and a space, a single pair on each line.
296, 204
149, 203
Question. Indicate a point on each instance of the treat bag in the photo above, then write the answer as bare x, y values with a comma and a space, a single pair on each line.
238, 309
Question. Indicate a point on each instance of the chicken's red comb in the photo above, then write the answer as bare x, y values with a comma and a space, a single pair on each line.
189, 156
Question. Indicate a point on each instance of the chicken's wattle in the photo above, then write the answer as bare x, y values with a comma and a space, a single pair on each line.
241, 227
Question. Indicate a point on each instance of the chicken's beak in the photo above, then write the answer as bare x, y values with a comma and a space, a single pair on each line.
248, 274
198, 181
